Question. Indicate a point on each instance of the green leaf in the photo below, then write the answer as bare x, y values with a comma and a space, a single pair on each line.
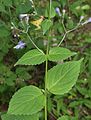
4, 32
46, 24
59, 53
70, 24
50, 12
63, 77
24, 8
27, 101
63, 2
87, 103
89, 64
85, 7
20, 117
65, 117
32, 57
2, 8
7, 2
82, 90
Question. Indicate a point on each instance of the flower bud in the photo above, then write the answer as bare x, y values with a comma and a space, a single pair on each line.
58, 11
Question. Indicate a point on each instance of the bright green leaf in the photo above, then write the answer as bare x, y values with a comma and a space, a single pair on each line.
26, 101
63, 77
20, 117
59, 53
32, 57
46, 24
85, 7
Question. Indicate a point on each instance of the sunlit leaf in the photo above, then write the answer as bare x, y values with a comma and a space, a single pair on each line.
20, 117
63, 77
32, 57
26, 101
59, 53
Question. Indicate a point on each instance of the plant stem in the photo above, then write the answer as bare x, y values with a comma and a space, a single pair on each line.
46, 89
46, 69
78, 25
34, 43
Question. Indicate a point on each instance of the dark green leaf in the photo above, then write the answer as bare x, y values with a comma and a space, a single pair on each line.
7, 2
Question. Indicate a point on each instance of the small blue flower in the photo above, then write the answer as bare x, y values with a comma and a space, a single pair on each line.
20, 45
89, 20
58, 11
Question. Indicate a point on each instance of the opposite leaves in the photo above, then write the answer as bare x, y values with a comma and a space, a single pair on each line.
59, 53
62, 78
32, 57
27, 101
35, 56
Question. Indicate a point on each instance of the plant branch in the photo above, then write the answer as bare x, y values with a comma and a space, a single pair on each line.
34, 43
66, 32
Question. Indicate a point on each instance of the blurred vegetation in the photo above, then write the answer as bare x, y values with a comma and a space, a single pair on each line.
77, 103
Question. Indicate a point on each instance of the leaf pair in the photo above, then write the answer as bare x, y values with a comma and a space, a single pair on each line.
30, 100
35, 57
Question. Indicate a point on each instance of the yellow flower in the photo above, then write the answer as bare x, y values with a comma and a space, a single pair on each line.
38, 22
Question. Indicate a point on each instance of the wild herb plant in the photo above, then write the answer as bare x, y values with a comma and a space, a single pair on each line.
27, 102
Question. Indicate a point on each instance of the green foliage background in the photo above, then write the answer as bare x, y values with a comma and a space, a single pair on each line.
77, 103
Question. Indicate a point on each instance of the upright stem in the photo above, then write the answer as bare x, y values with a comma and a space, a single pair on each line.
46, 69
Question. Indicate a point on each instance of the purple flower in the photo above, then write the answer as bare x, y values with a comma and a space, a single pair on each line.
89, 20
20, 45
58, 11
